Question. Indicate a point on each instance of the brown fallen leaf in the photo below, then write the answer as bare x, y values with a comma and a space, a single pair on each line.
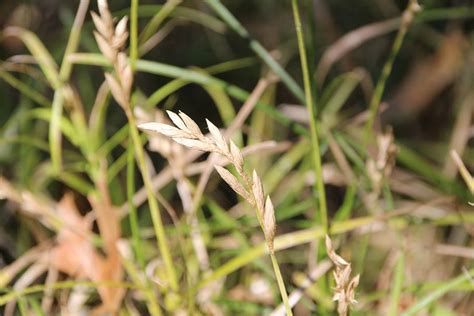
76, 256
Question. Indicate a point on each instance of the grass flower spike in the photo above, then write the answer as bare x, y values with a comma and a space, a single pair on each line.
187, 133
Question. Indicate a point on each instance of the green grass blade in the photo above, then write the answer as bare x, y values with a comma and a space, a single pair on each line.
24, 89
261, 52
134, 226
337, 93
39, 52
157, 20
315, 152
410, 11
174, 85
133, 33
439, 292
397, 285
195, 77
189, 14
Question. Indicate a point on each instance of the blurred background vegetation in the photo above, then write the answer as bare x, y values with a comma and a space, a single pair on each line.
428, 104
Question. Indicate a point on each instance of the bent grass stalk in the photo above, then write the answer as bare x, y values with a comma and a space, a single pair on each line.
188, 133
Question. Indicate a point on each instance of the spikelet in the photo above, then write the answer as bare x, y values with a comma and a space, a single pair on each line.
111, 40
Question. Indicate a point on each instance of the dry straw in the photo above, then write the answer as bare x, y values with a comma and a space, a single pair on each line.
187, 133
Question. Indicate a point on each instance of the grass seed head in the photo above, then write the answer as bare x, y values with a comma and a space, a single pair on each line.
344, 293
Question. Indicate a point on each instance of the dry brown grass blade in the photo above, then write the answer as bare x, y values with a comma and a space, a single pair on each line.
109, 227
48, 297
453, 250
429, 77
106, 214
31, 204
379, 167
463, 171
9, 272
27, 278
351, 41
460, 135
75, 238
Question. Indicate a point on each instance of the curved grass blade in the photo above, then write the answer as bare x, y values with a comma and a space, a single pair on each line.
439, 292
261, 52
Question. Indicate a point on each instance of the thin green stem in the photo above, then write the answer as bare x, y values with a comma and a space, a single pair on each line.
134, 33
134, 227
24, 88
397, 285
312, 118
407, 19
158, 19
154, 208
281, 284
59, 94
439, 292
136, 278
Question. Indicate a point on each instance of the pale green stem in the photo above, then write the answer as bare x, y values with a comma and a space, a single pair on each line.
281, 284
154, 208
64, 74
134, 33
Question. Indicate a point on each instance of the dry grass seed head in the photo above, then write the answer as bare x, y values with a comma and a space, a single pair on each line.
232, 182
269, 222
344, 292
187, 133
111, 41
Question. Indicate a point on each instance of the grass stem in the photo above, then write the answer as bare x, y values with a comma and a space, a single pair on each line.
134, 227
134, 33
153, 204
281, 284
312, 119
